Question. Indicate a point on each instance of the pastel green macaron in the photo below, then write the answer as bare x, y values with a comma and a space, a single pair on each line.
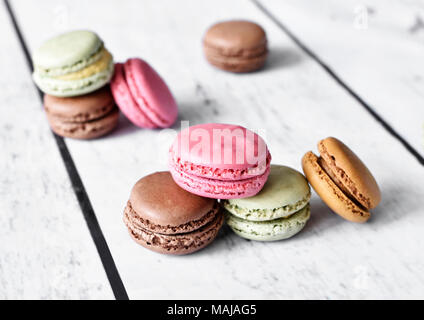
285, 192
278, 211
72, 64
273, 230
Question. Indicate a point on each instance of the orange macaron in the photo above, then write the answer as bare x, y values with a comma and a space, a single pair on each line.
342, 180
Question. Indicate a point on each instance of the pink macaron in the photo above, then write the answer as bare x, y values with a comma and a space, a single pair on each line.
142, 95
220, 161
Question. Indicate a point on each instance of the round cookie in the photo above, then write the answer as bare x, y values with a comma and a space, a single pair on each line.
285, 192
342, 180
142, 95
167, 219
236, 46
219, 161
272, 230
84, 117
72, 64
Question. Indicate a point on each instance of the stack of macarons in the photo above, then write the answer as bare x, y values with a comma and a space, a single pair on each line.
217, 161
264, 202
74, 70
213, 168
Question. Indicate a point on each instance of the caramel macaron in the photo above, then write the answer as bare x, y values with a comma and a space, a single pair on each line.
342, 180
236, 46
163, 217
83, 117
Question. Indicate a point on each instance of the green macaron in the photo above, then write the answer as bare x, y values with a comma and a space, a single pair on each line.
278, 211
72, 64
272, 230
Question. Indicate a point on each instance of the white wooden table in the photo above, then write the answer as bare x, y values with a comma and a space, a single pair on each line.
335, 69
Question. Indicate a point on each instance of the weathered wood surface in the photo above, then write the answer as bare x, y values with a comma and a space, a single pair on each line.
375, 46
45, 248
293, 99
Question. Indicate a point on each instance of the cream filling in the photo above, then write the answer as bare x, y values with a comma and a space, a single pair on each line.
266, 214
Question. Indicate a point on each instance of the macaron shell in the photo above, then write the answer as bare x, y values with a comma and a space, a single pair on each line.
286, 191
217, 189
85, 130
67, 49
232, 38
351, 171
126, 102
221, 153
81, 108
236, 64
329, 192
177, 244
272, 230
151, 93
158, 199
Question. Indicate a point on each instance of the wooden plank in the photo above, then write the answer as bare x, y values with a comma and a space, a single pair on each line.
374, 46
297, 103
46, 251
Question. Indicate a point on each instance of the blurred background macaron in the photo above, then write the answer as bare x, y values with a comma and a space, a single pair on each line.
342, 180
72, 64
236, 46
279, 211
83, 117
164, 218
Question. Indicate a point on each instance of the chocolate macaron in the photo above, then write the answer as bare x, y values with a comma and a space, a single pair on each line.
342, 180
165, 218
82, 117
236, 46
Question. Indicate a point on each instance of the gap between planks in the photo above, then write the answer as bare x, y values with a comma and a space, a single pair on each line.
339, 81
78, 186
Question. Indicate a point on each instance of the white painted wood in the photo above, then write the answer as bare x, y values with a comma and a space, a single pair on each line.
46, 251
297, 103
375, 46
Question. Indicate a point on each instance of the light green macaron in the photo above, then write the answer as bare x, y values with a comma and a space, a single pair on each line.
72, 64
277, 229
285, 192
277, 212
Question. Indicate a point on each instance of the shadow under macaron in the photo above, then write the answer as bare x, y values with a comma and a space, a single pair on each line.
280, 57
124, 127
322, 218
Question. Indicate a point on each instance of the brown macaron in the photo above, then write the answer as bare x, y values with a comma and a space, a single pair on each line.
82, 117
236, 46
342, 180
165, 218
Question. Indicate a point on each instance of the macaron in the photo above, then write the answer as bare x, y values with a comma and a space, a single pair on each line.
220, 161
83, 117
236, 46
142, 95
72, 64
164, 218
342, 180
279, 211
